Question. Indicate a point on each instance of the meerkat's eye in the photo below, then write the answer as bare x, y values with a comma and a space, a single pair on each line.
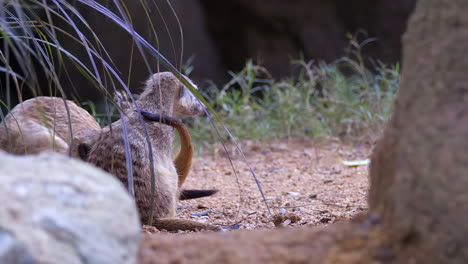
181, 91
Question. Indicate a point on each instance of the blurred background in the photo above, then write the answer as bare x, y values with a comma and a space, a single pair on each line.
269, 68
220, 36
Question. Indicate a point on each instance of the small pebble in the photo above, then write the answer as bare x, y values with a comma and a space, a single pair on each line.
202, 213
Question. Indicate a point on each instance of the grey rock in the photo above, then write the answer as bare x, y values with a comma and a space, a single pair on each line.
13, 251
59, 210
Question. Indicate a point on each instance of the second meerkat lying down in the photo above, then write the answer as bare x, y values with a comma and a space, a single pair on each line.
43, 124
166, 95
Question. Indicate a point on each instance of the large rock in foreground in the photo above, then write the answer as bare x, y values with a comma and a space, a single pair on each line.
58, 210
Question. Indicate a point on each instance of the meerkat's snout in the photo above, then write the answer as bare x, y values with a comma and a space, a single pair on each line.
188, 104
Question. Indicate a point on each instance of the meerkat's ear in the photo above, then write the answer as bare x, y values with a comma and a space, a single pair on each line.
83, 151
119, 97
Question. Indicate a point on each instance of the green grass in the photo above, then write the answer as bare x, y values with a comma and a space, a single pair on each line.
342, 99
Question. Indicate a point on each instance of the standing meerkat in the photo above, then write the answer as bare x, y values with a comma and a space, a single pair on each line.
166, 95
42, 124
182, 161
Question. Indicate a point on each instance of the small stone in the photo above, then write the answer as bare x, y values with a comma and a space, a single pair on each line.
203, 213
285, 219
278, 219
149, 229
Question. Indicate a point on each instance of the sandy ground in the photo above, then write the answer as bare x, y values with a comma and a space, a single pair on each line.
305, 183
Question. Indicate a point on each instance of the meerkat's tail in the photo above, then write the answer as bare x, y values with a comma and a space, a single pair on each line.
175, 224
194, 194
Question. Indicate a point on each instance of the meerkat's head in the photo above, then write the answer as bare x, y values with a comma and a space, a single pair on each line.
171, 95
187, 103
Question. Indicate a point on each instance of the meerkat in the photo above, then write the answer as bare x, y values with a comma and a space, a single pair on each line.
183, 159
166, 95
42, 124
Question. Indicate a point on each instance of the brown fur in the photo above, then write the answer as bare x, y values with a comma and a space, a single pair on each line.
42, 124
183, 159
163, 95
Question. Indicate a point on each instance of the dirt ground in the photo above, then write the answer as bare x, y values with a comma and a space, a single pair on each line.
305, 183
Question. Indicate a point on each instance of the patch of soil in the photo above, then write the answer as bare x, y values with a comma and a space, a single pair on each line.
305, 183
